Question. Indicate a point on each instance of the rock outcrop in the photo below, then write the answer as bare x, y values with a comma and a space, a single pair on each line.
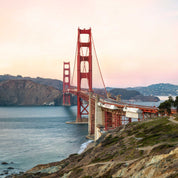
27, 93
140, 149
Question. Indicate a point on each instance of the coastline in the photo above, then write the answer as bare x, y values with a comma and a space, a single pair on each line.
120, 153
85, 146
37, 135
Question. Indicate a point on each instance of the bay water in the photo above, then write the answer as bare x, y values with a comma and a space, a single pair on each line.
37, 135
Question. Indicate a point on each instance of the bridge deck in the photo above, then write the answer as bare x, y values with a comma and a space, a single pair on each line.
85, 96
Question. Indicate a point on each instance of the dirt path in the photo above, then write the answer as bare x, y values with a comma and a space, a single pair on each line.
112, 162
172, 119
149, 148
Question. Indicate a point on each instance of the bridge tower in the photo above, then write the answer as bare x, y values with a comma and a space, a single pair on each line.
66, 84
87, 74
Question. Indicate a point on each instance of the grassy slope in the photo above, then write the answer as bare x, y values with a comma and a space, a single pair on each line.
176, 117
116, 150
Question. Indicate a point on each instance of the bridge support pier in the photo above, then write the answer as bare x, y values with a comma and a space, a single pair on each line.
66, 84
90, 116
83, 60
99, 118
120, 120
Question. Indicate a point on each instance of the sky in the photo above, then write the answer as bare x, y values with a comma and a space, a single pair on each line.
136, 40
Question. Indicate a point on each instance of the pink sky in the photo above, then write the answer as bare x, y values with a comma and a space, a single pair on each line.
136, 40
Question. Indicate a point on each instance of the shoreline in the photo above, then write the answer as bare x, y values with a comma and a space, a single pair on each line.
120, 153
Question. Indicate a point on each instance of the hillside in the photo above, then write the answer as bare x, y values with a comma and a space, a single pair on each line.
135, 93
58, 84
132, 95
140, 149
27, 93
161, 89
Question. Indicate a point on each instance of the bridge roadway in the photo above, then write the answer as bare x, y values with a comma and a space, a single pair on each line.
84, 94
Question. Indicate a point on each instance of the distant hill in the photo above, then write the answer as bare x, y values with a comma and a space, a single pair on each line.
28, 93
127, 94
58, 84
132, 95
135, 93
161, 89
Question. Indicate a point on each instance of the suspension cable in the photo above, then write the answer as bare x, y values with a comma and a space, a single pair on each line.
84, 67
74, 64
98, 63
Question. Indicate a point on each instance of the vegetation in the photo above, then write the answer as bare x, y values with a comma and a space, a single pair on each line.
127, 148
165, 107
154, 132
110, 140
176, 102
131, 95
125, 94
176, 117
163, 148
161, 89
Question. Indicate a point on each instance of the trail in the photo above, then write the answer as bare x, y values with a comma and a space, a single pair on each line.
172, 119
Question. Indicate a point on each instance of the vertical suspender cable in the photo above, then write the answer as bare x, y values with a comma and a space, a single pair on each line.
98, 64
74, 65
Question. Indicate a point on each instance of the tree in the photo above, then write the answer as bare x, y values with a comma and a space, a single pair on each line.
171, 100
165, 106
176, 103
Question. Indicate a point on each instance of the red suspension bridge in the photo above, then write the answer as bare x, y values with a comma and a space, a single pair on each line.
94, 106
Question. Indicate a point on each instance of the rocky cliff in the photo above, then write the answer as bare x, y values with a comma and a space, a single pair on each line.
26, 92
58, 84
140, 149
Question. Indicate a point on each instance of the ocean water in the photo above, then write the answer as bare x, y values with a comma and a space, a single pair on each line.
37, 135
162, 99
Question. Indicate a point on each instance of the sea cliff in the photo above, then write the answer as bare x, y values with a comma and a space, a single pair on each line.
140, 149
27, 93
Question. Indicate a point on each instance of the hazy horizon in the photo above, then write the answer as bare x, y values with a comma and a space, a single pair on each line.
136, 41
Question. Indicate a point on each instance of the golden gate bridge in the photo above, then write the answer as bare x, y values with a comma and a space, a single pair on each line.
102, 111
